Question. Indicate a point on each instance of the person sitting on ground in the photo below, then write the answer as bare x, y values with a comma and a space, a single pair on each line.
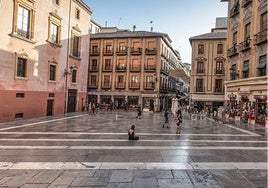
131, 133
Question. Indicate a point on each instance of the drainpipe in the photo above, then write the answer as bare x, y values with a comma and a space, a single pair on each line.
67, 61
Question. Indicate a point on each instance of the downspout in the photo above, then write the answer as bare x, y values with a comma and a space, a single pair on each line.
67, 60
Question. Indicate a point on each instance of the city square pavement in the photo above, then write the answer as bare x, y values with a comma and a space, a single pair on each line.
81, 150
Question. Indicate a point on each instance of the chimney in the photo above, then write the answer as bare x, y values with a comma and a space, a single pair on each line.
134, 27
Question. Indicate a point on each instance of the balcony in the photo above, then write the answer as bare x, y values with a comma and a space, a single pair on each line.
164, 88
122, 51
135, 68
218, 90
121, 68
200, 89
234, 10
134, 85
136, 51
200, 71
106, 85
150, 51
219, 71
149, 85
92, 85
149, 68
232, 51
246, 3
94, 52
164, 71
108, 52
93, 68
245, 45
261, 37
120, 85
107, 68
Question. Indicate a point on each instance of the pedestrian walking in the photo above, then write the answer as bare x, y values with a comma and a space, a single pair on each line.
139, 112
89, 108
166, 119
93, 108
178, 131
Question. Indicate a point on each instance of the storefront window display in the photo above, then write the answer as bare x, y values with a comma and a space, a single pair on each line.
260, 109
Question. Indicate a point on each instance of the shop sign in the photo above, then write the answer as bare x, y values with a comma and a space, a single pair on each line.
232, 96
260, 97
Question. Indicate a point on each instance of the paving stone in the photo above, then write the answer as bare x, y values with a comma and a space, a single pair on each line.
89, 181
203, 179
121, 176
145, 182
46, 176
119, 185
256, 177
175, 183
34, 185
231, 178
152, 174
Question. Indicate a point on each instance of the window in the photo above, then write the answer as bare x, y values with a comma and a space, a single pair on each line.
263, 21
234, 38
56, 2
21, 67
218, 85
201, 48
106, 81
233, 72
247, 31
150, 64
199, 85
74, 73
108, 64
200, 67
23, 23
135, 64
76, 42
134, 81
245, 70
54, 30
219, 67
54, 33
94, 64
262, 65
52, 72
108, 48
77, 13
149, 82
95, 49
93, 80
75, 52
220, 49
19, 95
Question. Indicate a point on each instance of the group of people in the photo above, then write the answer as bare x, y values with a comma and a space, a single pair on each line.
178, 123
131, 131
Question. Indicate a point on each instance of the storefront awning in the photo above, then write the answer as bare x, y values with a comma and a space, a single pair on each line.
182, 74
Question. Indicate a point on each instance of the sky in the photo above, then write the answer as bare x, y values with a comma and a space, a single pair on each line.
180, 19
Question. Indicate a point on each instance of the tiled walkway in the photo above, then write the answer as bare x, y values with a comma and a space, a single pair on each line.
81, 150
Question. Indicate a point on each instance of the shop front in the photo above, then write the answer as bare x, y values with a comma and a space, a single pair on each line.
260, 109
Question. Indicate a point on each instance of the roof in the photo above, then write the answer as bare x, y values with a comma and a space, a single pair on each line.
129, 34
210, 36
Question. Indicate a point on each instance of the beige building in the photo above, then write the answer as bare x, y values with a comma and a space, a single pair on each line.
246, 66
133, 68
44, 57
207, 71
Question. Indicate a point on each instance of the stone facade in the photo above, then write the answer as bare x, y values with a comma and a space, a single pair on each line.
132, 67
246, 68
44, 57
207, 75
